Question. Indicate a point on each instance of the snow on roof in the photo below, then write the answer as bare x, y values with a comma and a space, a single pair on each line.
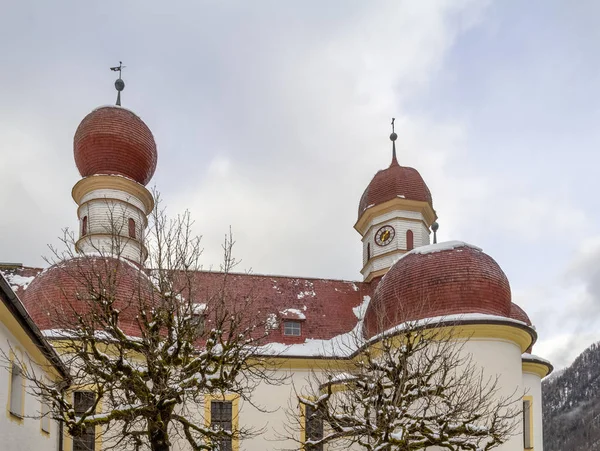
443, 246
345, 345
17, 281
534, 358
292, 313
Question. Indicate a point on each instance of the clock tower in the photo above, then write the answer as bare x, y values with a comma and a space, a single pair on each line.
395, 215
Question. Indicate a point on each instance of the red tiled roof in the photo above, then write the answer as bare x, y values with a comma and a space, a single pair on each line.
326, 304
113, 140
519, 314
453, 280
395, 181
460, 280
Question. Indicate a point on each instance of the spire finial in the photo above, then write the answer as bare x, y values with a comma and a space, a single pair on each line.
393, 138
434, 227
119, 83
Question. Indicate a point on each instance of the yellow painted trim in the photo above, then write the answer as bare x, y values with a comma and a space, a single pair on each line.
530, 399
538, 369
373, 274
499, 331
88, 184
16, 417
235, 415
397, 203
25, 341
303, 422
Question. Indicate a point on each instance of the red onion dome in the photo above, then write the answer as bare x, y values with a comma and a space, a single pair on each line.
63, 291
395, 181
114, 140
519, 314
438, 280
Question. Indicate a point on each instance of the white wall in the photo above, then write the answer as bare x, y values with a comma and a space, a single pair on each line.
24, 435
108, 212
533, 386
495, 357
401, 221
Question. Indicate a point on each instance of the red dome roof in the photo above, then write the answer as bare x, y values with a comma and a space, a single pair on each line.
395, 181
113, 140
62, 290
519, 314
438, 280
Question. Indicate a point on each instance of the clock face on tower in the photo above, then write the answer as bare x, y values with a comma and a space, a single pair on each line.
385, 235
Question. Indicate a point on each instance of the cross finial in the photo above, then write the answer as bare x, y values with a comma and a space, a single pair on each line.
393, 138
119, 83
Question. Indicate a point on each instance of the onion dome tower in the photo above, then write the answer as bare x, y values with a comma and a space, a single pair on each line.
116, 155
395, 215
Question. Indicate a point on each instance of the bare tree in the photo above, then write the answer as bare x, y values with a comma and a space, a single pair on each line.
411, 389
151, 345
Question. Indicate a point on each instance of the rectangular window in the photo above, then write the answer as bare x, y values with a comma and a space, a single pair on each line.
292, 328
45, 411
82, 402
221, 417
527, 432
16, 390
313, 428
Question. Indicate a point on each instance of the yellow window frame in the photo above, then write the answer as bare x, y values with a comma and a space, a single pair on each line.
235, 410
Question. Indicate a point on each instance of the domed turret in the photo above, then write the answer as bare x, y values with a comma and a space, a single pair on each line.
116, 154
113, 140
395, 215
395, 182
439, 280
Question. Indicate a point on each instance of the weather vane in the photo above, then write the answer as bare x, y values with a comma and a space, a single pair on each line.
393, 138
119, 83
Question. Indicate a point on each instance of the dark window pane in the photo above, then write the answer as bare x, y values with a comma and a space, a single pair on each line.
313, 427
293, 328
82, 401
527, 441
221, 417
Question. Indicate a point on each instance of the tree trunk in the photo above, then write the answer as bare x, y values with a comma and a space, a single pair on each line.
159, 438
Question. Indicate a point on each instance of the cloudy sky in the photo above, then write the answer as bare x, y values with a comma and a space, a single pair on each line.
273, 116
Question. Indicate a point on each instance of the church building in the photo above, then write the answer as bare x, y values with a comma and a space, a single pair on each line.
406, 276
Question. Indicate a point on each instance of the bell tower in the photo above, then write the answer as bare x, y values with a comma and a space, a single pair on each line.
395, 215
116, 155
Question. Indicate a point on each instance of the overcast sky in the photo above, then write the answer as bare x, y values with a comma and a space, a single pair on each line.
272, 117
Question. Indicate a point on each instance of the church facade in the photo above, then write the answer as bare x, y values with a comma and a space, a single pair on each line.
407, 276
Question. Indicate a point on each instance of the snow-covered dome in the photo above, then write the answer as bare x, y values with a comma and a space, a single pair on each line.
114, 140
63, 291
440, 280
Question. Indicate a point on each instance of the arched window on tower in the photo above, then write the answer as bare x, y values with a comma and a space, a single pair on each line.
131, 228
368, 251
84, 226
410, 244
